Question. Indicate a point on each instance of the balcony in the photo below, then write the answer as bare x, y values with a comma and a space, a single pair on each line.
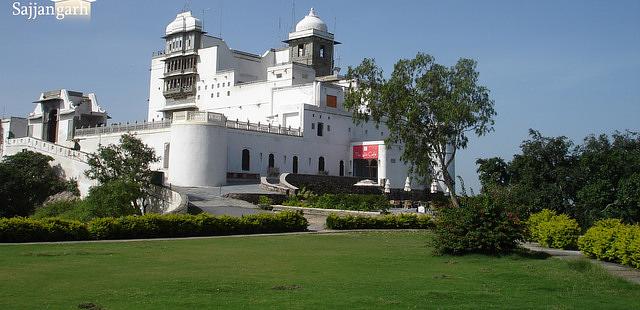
181, 72
179, 92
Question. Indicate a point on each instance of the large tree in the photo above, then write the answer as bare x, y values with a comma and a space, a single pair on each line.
430, 108
128, 162
26, 180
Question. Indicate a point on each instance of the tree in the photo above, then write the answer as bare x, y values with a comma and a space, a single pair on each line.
430, 108
127, 162
26, 180
492, 172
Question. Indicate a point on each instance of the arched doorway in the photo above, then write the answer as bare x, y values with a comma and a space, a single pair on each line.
321, 164
295, 164
341, 168
52, 125
246, 164
272, 161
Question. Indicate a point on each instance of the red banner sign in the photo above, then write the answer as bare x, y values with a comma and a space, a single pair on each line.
365, 152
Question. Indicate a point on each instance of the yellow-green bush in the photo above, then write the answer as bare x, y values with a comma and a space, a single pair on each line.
532, 231
553, 230
611, 240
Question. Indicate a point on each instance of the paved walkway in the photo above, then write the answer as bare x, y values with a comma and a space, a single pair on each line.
210, 200
627, 273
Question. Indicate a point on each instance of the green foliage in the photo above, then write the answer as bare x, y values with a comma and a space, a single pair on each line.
148, 226
560, 231
480, 225
356, 202
534, 221
389, 221
596, 180
611, 240
112, 199
127, 162
19, 229
430, 108
27, 181
61, 209
265, 200
164, 226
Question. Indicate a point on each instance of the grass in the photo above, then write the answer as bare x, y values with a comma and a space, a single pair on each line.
351, 270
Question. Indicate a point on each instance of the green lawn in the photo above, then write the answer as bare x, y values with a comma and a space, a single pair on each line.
350, 270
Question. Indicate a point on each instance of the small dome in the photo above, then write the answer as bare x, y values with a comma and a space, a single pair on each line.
311, 21
183, 22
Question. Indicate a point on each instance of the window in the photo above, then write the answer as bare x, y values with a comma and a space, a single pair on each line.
228, 83
320, 164
320, 129
228, 93
245, 160
205, 87
341, 168
272, 161
313, 125
295, 164
279, 75
198, 97
328, 128
218, 85
165, 159
300, 50
332, 101
217, 94
211, 95
321, 51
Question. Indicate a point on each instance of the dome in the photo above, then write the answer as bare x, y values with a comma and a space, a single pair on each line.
311, 21
183, 22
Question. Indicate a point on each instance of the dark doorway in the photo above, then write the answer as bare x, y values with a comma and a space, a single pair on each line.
246, 164
341, 168
366, 168
52, 126
272, 161
295, 164
321, 164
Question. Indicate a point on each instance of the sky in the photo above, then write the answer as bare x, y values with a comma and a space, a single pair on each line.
565, 68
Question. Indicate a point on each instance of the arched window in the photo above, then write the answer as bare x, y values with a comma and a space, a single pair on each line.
272, 161
341, 168
321, 163
246, 164
295, 164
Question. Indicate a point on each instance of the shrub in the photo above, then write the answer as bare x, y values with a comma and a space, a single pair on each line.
390, 221
611, 240
56, 209
264, 202
111, 199
178, 225
560, 231
532, 229
479, 226
21, 229
356, 202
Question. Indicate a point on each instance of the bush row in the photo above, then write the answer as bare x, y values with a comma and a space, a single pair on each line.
148, 226
391, 221
355, 202
613, 241
553, 230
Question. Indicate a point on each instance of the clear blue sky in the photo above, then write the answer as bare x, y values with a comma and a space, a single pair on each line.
563, 67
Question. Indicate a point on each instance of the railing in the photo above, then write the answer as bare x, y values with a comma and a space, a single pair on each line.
191, 116
48, 147
122, 128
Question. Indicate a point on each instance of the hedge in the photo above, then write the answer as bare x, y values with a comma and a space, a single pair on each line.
391, 221
553, 230
354, 202
613, 241
148, 226
20, 229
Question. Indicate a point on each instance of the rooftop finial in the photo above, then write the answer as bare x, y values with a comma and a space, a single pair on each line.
312, 12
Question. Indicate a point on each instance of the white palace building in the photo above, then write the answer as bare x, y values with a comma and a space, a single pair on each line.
215, 113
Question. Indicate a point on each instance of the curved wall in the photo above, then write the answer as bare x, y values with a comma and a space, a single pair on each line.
197, 155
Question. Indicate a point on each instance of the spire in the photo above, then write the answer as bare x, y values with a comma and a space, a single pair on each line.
312, 12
